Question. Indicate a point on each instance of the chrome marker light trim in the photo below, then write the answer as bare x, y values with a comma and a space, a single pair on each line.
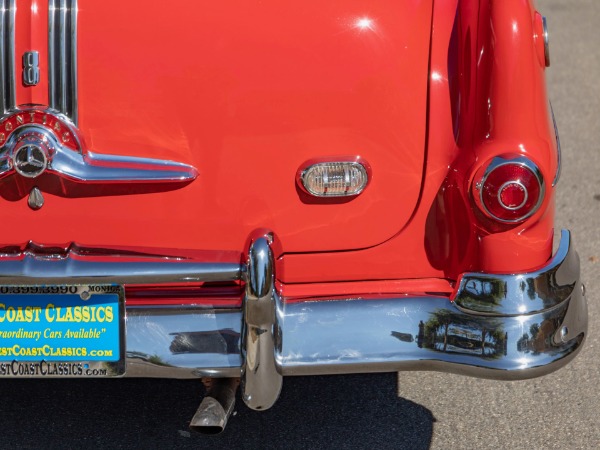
62, 57
7, 56
356, 176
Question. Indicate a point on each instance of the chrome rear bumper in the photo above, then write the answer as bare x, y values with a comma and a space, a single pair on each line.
495, 326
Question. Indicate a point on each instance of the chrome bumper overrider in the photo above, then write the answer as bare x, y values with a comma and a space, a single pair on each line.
494, 326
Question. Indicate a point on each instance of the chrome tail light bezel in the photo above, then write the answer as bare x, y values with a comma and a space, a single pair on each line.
482, 175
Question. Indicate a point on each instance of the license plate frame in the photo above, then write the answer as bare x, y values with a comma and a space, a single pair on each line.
74, 330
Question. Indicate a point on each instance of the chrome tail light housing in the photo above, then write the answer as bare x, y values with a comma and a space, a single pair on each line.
509, 190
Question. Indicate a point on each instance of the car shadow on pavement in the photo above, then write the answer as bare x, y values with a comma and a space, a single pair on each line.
351, 411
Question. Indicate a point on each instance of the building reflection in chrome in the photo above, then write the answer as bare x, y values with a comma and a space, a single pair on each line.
415, 333
453, 332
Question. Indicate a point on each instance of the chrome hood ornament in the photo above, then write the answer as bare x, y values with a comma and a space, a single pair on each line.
38, 145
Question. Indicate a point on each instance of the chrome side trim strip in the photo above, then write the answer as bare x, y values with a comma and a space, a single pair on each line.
7, 56
546, 42
114, 169
62, 57
558, 149
36, 264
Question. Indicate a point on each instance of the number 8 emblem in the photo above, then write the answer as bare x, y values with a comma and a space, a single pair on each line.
31, 68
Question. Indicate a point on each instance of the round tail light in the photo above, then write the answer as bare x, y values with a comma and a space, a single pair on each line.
510, 190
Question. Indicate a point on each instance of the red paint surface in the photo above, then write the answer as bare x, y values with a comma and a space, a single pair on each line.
31, 34
247, 94
487, 98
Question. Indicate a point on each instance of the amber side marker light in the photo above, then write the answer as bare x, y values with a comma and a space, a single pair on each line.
509, 190
333, 178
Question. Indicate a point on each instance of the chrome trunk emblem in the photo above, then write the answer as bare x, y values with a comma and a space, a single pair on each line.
42, 145
31, 68
30, 160
36, 199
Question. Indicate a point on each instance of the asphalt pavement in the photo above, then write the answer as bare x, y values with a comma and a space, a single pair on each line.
561, 409
438, 411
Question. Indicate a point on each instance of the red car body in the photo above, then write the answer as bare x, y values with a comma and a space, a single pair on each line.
210, 112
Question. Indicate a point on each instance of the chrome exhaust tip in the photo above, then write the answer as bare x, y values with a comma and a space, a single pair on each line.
216, 407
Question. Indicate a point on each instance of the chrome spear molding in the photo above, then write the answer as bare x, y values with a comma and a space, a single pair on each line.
62, 57
37, 143
7, 55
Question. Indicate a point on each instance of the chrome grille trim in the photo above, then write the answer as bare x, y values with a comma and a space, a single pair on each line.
62, 57
7, 55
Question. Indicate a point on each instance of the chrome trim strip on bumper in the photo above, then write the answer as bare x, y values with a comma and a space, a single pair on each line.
7, 56
62, 57
37, 265
369, 334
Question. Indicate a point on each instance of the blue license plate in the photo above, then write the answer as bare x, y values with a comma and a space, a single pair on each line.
62, 330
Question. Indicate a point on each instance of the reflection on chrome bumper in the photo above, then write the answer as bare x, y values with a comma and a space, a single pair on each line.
481, 333
494, 326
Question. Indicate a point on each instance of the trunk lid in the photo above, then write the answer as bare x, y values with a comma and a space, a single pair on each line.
246, 92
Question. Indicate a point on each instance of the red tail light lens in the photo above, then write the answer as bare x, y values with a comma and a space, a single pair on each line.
510, 190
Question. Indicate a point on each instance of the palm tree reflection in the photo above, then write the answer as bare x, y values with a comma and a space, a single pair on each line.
540, 336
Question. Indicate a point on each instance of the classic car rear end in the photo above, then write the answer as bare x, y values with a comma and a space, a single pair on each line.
268, 189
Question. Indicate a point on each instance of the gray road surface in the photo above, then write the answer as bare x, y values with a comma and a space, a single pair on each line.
560, 410
434, 410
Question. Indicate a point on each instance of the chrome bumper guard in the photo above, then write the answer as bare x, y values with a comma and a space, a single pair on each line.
505, 327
